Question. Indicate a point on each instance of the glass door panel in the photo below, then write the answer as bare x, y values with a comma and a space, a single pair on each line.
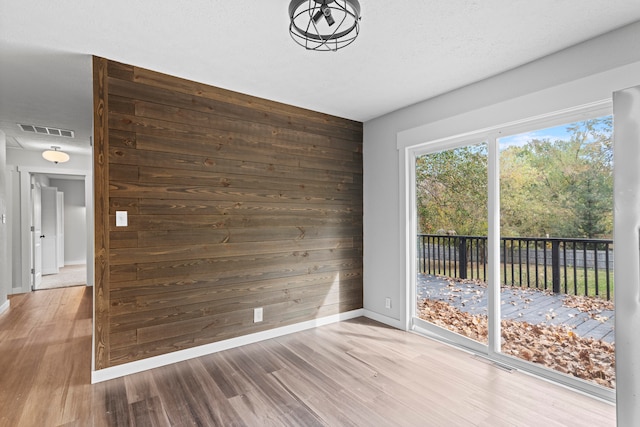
556, 248
451, 202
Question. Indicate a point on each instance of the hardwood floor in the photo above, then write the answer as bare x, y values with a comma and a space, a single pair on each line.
355, 373
45, 358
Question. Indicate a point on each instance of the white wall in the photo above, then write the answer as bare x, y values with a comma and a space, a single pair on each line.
34, 160
586, 74
75, 220
627, 221
43, 180
5, 271
20, 165
580, 75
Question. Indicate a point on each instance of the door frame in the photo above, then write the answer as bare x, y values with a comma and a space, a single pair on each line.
408, 219
26, 212
36, 231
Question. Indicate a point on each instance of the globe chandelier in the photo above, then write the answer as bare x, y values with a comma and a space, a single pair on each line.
324, 25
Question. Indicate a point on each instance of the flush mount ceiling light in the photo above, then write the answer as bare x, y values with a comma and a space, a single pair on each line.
55, 156
326, 25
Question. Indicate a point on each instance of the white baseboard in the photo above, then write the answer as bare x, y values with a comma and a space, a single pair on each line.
4, 307
384, 319
203, 350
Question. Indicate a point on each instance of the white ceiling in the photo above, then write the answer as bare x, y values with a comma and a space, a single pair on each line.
407, 51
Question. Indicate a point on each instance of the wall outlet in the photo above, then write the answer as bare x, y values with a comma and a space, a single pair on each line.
257, 315
387, 303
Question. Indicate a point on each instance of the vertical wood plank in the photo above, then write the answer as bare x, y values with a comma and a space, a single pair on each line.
101, 218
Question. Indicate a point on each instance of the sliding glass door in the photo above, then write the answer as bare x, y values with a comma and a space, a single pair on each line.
514, 251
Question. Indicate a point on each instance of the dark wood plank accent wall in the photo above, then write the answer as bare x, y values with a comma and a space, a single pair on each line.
233, 203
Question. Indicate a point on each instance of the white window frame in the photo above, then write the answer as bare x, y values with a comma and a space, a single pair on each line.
491, 135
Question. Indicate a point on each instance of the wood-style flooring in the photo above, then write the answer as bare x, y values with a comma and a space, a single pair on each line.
355, 373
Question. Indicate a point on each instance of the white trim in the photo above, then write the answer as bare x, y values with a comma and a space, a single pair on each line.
25, 277
203, 350
389, 321
411, 138
493, 240
53, 171
467, 345
440, 334
626, 269
75, 262
408, 218
4, 307
407, 266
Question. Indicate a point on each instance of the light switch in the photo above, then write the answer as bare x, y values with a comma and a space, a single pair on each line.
121, 218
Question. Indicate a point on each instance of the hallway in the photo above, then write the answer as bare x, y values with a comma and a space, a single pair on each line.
69, 275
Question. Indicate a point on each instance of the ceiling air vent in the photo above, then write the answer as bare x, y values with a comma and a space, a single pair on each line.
45, 130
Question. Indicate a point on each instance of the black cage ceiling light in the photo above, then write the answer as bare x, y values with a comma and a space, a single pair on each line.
326, 25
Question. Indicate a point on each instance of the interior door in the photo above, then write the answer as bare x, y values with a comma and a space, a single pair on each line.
36, 233
49, 233
60, 228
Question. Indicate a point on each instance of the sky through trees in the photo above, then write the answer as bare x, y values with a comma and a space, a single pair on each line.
555, 182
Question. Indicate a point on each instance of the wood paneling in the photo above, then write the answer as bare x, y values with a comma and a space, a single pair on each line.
233, 203
101, 219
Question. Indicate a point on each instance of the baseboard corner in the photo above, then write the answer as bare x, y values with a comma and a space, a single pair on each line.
390, 321
203, 350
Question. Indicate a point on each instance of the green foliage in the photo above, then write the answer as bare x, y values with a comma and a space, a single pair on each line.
452, 191
560, 188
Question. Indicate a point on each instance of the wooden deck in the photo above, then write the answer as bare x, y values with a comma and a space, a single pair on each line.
519, 304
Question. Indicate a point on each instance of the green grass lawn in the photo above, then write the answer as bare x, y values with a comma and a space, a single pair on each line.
584, 282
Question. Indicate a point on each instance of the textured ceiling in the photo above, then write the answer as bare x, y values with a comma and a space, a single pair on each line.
408, 51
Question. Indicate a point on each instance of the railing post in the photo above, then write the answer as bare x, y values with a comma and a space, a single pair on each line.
555, 266
424, 254
462, 249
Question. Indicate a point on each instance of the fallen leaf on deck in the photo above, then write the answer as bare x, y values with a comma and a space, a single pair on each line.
555, 346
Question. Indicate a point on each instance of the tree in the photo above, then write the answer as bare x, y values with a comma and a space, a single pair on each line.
556, 187
524, 210
591, 200
451, 190
571, 192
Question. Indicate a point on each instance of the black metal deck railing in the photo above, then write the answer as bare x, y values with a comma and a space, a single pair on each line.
570, 266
